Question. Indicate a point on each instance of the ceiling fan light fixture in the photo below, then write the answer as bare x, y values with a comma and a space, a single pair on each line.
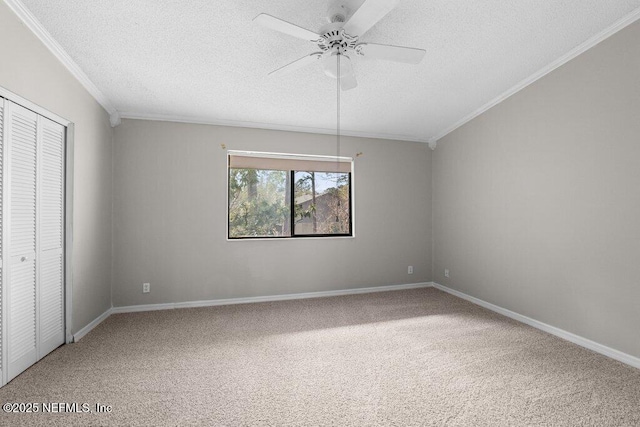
330, 65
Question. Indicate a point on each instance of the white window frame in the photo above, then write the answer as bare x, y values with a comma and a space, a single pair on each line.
291, 156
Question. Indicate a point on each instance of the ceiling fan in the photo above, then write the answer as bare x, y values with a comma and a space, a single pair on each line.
339, 40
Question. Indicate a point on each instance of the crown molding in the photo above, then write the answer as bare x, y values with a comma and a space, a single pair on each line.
115, 119
267, 126
591, 42
32, 23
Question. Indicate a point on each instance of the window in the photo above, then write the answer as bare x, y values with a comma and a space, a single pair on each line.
281, 195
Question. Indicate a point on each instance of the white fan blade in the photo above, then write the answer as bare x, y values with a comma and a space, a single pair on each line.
348, 82
367, 15
297, 64
285, 27
407, 55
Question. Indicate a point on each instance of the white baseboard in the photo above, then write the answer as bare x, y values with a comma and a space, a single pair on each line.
576, 339
84, 331
269, 298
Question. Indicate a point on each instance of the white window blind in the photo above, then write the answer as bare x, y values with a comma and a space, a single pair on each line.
287, 162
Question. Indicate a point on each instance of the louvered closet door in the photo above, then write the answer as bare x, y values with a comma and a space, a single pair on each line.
21, 145
50, 233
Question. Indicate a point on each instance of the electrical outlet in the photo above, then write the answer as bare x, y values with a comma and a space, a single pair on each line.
410, 269
146, 288
446, 272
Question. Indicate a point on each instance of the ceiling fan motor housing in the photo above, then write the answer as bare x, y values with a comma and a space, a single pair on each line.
334, 39
335, 42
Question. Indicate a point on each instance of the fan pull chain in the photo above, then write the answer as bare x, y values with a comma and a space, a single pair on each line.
338, 140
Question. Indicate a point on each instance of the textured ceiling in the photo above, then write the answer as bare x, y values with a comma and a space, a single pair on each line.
206, 61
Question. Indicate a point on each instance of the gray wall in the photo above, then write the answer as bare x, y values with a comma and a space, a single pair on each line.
170, 217
28, 69
537, 201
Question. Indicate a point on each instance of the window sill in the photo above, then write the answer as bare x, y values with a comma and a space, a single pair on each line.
262, 239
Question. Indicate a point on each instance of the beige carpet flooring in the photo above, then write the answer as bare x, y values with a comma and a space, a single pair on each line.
403, 358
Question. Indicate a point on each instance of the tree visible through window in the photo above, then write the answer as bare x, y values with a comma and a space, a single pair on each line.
321, 203
259, 203
289, 203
